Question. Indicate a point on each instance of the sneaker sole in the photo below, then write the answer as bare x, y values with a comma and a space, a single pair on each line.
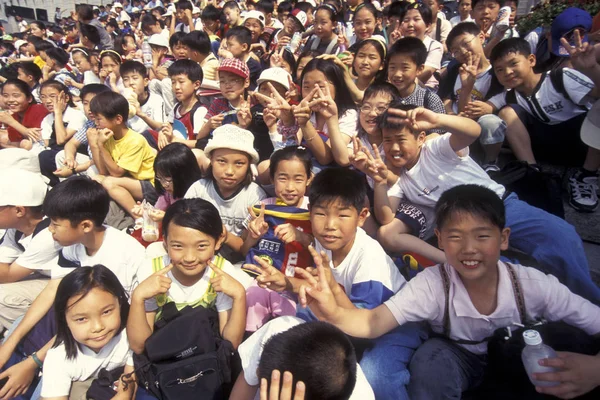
581, 208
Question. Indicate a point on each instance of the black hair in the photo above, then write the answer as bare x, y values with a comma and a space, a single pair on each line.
84, 52
176, 161
113, 23
291, 153
30, 68
186, 67
343, 184
57, 29
316, 353
149, 19
60, 57
197, 214
110, 104
90, 32
242, 34
305, 6
80, 282
474, 2
423, 9
411, 47
198, 41
130, 66
9, 71
380, 76
369, 7
334, 74
78, 199
289, 58
60, 87
177, 38
112, 54
184, 5
211, 13
379, 88
43, 45
231, 4
304, 54
388, 121
94, 88
508, 46
334, 14
22, 86
470, 199
39, 24
284, 6
33, 39
120, 41
85, 12
462, 29
265, 6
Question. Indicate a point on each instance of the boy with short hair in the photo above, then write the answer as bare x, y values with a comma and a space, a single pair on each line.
485, 14
232, 11
267, 7
541, 110
211, 20
239, 43
184, 16
426, 168
31, 74
123, 157
199, 50
464, 13
255, 21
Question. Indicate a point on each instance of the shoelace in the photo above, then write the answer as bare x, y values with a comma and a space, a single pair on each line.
592, 181
582, 189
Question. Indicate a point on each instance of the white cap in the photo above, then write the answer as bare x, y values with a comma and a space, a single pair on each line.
590, 129
256, 15
95, 8
532, 338
275, 74
20, 43
117, 5
232, 137
170, 11
195, 10
114, 11
135, 10
21, 188
158, 39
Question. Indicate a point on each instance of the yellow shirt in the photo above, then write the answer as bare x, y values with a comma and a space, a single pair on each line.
39, 62
209, 67
133, 153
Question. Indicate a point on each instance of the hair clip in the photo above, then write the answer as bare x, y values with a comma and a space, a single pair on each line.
111, 52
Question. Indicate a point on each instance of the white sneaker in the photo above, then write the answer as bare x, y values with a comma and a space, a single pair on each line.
583, 196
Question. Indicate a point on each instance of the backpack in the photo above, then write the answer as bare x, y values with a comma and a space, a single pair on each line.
446, 90
185, 358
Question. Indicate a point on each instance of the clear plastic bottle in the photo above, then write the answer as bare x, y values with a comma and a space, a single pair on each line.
341, 30
534, 351
292, 46
147, 54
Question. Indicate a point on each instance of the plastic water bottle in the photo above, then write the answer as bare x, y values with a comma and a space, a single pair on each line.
147, 54
534, 351
292, 46
341, 30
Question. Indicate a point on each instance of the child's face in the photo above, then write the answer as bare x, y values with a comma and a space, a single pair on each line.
401, 148
290, 182
367, 62
237, 49
485, 13
283, 16
434, 7
413, 24
334, 225
472, 245
135, 81
81, 62
190, 251
180, 51
25, 78
464, 8
183, 87
323, 24
364, 24
14, 99
48, 96
210, 24
402, 71
110, 66
300, 67
372, 108
264, 90
290, 26
166, 182
86, 105
255, 27
129, 45
513, 10
232, 14
65, 234
316, 77
102, 122
94, 319
232, 85
30, 48
467, 44
514, 70
229, 168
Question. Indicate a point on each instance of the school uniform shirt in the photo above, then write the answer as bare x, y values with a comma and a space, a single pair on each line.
60, 372
251, 350
438, 169
547, 104
133, 153
190, 294
154, 108
72, 119
119, 252
40, 254
322, 47
422, 97
456, 20
234, 209
483, 81
185, 28
209, 66
435, 51
366, 286
545, 297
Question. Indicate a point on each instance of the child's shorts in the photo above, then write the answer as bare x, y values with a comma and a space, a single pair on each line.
416, 218
149, 192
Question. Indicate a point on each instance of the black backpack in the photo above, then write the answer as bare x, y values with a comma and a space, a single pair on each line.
185, 358
43, 224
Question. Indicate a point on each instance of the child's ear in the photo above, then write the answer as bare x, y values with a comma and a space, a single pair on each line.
504, 236
438, 234
197, 85
362, 216
532, 60
421, 138
87, 225
245, 47
420, 69
221, 239
247, 83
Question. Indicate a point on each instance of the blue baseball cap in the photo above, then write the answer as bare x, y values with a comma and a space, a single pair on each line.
566, 21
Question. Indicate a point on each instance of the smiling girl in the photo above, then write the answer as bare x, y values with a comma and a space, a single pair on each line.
324, 40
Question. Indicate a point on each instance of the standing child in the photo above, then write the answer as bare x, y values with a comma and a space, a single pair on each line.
91, 314
228, 184
325, 38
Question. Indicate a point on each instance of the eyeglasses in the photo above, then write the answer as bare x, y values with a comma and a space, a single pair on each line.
367, 108
231, 82
463, 46
165, 181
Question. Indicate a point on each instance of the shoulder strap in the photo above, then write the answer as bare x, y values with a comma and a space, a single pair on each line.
557, 79
192, 111
511, 97
438, 30
518, 292
330, 46
426, 99
43, 224
446, 282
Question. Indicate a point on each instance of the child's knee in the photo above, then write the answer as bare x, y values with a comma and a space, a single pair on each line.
26, 144
493, 129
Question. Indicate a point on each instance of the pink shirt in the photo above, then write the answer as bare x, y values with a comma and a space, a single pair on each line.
164, 201
545, 297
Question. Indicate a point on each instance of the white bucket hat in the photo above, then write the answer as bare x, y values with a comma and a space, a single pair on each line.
232, 137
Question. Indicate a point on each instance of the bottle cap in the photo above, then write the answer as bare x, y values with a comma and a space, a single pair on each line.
532, 337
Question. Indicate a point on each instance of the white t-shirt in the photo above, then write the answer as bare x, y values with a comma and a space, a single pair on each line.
422, 299
438, 169
90, 77
482, 85
435, 51
233, 210
73, 119
548, 105
190, 294
120, 252
41, 252
366, 286
347, 122
154, 108
60, 372
456, 20
251, 350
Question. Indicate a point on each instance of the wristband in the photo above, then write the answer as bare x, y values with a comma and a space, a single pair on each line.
39, 363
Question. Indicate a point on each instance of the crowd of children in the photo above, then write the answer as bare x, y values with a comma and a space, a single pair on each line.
317, 183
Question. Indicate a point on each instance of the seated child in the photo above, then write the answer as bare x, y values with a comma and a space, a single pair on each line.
239, 41
315, 353
255, 21
464, 13
478, 299
56, 61
540, 117
122, 156
91, 310
199, 50
31, 74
